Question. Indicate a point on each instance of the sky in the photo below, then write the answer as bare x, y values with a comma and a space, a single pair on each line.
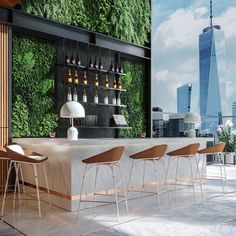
176, 25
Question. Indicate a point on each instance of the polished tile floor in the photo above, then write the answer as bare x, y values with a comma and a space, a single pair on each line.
144, 218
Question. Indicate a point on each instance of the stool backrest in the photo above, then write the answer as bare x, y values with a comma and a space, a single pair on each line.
154, 152
111, 155
185, 151
16, 153
219, 147
3, 153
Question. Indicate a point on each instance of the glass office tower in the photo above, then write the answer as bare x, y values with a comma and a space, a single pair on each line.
184, 98
234, 114
212, 66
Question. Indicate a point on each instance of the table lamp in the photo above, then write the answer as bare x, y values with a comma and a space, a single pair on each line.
72, 110
192, 118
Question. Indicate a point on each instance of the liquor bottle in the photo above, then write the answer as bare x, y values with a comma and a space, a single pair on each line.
69, 95
100, 64
67, 60
76, 78
69, 77
95, 63
96, 97
96, 83
121, 69
114, 83
117, 69
84, 96
118, 102
106, 99
106, 82
112, 69
114, 99
85, 78
73, 61
119, 84
90, 63
78, 61
75, 95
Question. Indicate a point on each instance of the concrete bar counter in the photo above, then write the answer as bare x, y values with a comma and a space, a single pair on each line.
65, 169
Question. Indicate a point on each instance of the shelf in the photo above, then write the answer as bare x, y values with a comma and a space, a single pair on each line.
91, 69
102, 104
103, 127
97, 87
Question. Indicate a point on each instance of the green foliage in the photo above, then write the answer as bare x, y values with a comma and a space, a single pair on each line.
227, 134
33, 87
20, 118
126, 20
134, 98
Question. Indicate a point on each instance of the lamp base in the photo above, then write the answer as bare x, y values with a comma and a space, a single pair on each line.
191, 133
72, 133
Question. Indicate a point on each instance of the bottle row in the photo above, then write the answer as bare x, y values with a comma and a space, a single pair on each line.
95, 64
74, 97
97, 81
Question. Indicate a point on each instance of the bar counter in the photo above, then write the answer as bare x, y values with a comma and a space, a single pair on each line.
65, 169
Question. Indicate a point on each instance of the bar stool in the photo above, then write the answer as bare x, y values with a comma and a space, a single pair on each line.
216, 150
109, 158
154, 155
18, 156
187, 152
3, 156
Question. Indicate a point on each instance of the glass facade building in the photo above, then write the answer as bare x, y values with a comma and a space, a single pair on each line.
234, 114
211, 66
184, 98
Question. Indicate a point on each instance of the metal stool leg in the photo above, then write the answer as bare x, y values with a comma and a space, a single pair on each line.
198, 173
221, 174
22, 179
5, 190
176, 173
193, 182
37, 189
46, 180
225, 176
115, 190
144, 165
16, 165
122, 179
158, 196
165, 185
81, 190
95, 183
131, 170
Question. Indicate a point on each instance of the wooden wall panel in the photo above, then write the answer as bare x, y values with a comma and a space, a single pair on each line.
3, 99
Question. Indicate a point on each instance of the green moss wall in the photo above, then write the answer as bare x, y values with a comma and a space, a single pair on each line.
33, 113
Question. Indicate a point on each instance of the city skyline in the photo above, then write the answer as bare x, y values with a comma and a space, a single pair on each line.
175, 30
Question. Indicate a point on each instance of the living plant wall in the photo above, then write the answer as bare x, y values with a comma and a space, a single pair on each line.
128, 20
133, 98
33, 111
34, 59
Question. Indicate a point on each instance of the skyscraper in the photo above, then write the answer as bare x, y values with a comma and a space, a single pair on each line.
211, 61
184, 98
234, 114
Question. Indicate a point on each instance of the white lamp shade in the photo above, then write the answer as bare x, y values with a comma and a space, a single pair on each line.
72, 110
192, 117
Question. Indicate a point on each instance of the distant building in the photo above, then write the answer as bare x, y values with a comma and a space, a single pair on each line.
175, 126
157, 122
211, 64
184, 98
234, 114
